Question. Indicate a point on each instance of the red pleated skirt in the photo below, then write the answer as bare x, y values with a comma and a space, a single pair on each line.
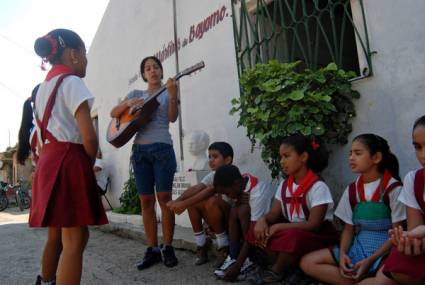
405, 264
298, 241
64, 189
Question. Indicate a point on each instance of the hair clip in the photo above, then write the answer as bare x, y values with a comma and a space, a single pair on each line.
61, 42
53, 44
315, 145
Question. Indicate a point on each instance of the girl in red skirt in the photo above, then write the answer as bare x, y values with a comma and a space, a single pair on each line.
301, 214
406, 263
65, 197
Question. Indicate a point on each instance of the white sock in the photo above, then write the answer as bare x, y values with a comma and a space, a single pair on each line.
222, 240
51, 282
200, 238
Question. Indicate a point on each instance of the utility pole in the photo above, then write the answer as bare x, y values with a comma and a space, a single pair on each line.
9, 136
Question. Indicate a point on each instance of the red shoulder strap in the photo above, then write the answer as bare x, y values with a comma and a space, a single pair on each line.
388, 190
419, 188
352, 195
49, 107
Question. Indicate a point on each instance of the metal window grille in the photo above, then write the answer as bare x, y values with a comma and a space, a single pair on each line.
316, 32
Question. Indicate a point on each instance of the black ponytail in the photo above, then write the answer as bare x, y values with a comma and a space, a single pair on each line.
375, 144
51, 46
316, 150
24, 146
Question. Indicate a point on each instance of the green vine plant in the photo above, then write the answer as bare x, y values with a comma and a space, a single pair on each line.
129, 199
278, 100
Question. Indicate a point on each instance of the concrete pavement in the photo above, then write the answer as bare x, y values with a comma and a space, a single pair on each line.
108, 259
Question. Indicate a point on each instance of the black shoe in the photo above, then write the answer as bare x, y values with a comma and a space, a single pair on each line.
39, 280
151, 257
169, 257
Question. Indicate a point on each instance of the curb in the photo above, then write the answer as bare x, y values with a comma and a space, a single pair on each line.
130, 226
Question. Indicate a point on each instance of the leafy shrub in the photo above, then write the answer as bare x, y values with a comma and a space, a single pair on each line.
129, 199
278, 100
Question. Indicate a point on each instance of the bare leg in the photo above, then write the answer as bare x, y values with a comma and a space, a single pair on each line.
196, 215
283, 261
216, 213
74, 241
407, 280
149, 219
168, 217
321, 266
51, 254
379, 279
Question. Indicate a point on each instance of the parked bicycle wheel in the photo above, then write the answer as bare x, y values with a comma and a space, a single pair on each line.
23, 200
4, 202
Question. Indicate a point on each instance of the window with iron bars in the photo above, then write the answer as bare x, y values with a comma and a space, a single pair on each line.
315, 32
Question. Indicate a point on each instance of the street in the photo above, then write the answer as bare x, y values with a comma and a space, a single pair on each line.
108, 259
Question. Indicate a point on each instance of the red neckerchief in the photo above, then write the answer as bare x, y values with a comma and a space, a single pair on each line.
252, 180
380, 189
56, 70
303, 187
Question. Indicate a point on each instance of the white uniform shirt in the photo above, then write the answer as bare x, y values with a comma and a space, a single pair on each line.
398, 211
208, 179
407, 195
260, 199
71, 94
319, 194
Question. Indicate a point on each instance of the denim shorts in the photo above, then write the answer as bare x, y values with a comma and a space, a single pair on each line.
154, 166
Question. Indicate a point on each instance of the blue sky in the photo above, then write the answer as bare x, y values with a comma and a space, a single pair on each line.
21, 22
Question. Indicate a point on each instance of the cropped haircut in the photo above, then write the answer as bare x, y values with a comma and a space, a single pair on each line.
317, 153
223, 148
374, 144
225, 176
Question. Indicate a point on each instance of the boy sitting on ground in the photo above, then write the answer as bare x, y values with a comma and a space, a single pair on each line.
252, 199
202, 202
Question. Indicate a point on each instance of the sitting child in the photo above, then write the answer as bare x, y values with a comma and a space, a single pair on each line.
406, 263
300, 219
369, 208
201, 203
252, 200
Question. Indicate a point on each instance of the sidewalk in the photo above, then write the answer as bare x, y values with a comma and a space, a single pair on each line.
130, 226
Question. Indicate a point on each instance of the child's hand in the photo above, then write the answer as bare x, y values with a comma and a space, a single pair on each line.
261, 230
232, 273
346, 266
396, 234
172, 89
361, 268
243, 199
418, 232
176, 207
411, 246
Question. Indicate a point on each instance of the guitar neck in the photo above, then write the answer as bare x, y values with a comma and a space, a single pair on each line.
158, 92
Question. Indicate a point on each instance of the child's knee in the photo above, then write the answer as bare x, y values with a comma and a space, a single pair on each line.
212, 203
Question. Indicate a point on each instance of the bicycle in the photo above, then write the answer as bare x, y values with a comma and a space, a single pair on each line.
4, 201
21, 195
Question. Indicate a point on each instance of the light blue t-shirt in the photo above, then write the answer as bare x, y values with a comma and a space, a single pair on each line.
157, 130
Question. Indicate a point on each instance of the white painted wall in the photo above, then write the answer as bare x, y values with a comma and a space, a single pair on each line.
391, 99
131, 30
394, 96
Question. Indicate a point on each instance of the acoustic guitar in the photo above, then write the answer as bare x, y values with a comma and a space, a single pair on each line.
122, 129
